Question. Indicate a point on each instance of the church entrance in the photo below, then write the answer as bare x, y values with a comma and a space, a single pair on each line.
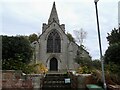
53, 64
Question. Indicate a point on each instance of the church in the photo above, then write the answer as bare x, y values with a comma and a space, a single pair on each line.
53, 48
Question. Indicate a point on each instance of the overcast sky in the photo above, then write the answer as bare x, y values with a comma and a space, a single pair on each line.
24, 17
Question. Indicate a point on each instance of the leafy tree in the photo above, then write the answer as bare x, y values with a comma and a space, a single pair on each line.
70, 37
16, 52
112, 54
83, 58
96, 64
114, 36
33, 37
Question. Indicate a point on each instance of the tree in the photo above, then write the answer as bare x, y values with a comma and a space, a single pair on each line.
96, 64
114, 36
16, 52
112, 54
70, 37
33, 37
83, 58
0, 52
80, 36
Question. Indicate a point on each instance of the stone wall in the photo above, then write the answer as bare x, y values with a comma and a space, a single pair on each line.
16, 80
84, 80
36, 80
80, 81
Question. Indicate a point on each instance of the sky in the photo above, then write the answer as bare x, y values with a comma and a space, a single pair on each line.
25, 17
119, 13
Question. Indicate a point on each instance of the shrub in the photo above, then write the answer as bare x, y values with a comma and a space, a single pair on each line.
84, 70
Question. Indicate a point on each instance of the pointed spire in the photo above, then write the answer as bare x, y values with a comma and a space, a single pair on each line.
53, 14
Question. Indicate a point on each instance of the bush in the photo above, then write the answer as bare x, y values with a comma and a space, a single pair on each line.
84, 70
113, 72
113, 68
35, 68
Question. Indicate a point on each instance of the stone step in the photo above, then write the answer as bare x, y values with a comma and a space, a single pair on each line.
56, 75
56, 81
56, 86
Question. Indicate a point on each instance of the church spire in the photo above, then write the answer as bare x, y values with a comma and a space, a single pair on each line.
53, 14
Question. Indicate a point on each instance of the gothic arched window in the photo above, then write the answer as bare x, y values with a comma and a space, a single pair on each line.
54, 42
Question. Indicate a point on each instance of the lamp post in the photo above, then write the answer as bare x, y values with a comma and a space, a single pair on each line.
100, 47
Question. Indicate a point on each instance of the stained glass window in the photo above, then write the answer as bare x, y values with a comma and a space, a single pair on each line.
54, 42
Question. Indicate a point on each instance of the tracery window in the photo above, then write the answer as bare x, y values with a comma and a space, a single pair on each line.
54, 42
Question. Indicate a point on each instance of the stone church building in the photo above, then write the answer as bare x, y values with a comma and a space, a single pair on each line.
53, 48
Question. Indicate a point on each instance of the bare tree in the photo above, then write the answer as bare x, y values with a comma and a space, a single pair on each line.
80, 36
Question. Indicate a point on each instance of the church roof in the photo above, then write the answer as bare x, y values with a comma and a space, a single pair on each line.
53, 15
